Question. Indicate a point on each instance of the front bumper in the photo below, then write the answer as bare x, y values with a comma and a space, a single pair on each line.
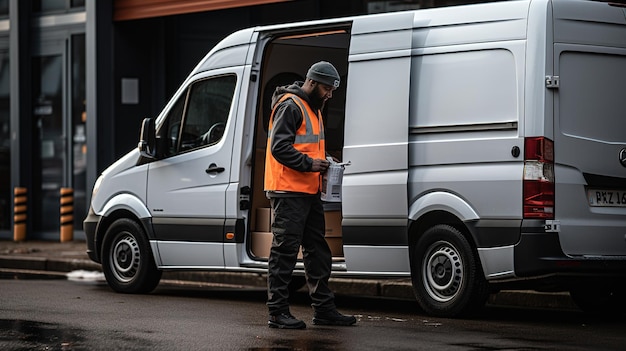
90, 226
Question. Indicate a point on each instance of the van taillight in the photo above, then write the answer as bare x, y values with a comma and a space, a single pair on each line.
538, 178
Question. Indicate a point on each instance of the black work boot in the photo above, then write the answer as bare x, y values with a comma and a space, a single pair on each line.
285, 321
333, 317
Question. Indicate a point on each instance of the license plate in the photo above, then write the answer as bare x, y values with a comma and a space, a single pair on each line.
606, 198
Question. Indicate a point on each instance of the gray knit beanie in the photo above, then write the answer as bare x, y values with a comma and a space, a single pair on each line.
325, 73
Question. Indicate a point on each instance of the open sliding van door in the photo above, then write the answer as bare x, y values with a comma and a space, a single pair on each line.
590, 128
374, 204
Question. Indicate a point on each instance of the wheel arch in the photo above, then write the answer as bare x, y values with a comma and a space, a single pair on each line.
123, 206
440, 208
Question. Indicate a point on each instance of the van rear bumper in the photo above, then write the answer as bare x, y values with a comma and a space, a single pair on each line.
539, 253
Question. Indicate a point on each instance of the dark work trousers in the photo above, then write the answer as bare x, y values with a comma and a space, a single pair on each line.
299, 221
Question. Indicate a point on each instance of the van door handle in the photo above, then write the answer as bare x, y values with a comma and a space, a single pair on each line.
213, 168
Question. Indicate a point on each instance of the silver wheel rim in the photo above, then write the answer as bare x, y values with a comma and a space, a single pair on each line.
125, 258
442, 272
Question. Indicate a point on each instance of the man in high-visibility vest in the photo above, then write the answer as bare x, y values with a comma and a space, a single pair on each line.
295, 162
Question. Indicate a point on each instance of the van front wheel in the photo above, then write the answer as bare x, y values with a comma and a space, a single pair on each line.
446, 275
127, 259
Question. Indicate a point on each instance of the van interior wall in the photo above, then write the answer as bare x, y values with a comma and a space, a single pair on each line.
283, 64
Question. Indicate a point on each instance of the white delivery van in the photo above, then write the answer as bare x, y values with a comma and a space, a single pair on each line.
487, 146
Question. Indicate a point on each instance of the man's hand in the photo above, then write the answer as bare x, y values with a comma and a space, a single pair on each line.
319, 165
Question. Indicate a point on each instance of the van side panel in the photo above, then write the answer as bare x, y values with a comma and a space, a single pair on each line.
466, 111
465, 114
374, 185
450, 89
463, 120
481, 23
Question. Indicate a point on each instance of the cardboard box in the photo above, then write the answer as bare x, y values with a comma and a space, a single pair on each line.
336, 246
333, 223
263, 220
259, 179
261, 243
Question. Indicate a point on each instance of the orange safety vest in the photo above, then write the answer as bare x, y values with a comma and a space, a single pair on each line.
309, 140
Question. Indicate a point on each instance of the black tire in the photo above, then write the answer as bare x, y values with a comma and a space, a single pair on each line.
446, 274
598, 299
127, 259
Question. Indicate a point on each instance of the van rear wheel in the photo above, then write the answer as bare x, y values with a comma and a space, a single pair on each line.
127, 259
446, 275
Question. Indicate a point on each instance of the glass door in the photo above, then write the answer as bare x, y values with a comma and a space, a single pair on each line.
59, 139
5, 145
77, 129
49, 140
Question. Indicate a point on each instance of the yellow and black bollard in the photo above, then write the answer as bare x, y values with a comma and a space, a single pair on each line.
19, 213
67, 214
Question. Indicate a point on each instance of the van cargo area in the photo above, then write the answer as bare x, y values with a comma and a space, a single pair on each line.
285, 60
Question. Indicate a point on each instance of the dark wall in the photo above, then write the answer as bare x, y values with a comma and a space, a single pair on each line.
161, 52
134, 58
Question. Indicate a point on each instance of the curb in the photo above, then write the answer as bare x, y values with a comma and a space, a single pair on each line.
47, 264
393, 288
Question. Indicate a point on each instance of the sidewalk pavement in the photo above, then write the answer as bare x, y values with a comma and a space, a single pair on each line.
51, 258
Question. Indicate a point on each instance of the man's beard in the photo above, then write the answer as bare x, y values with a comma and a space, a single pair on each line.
316, 99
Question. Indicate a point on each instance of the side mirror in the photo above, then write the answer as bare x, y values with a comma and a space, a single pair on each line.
147, 139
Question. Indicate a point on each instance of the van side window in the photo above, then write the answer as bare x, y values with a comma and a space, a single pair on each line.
206, 112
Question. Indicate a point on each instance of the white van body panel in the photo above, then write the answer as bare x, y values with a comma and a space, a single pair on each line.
359, 260
126, 202
498, 262
538, 58
494, 203
189, 255
123, 174
374, 184
481, 23
230, 51
442, 201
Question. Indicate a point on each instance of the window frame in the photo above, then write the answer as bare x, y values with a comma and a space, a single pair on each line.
187, 99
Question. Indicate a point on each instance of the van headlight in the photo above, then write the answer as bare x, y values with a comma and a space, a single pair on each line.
96, 186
